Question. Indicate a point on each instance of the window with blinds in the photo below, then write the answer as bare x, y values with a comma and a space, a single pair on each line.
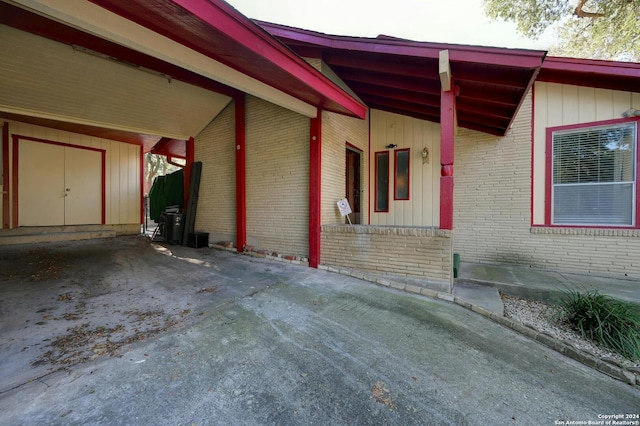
594, 176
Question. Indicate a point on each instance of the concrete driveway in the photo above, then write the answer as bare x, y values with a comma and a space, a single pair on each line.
125, 331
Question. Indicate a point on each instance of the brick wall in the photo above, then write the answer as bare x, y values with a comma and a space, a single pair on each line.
337, 130
492, 193
215, 148
277, 178
424, 253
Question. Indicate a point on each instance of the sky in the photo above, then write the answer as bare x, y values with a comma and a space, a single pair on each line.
446, 21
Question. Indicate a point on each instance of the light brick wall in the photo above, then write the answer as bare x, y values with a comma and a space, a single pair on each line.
411, 252
215, 148
492, 193
492, 212
337, 130
277, 178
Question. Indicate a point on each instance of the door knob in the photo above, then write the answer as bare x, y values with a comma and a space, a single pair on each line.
68, 189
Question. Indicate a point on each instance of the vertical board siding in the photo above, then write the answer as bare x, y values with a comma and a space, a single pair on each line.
423, 206
215, 147
277, 143
123, 192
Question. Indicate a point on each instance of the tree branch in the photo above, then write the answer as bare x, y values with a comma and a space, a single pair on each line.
582, 14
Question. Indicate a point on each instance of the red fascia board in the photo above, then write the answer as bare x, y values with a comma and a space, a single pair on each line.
263, 50
171, 148
611, 75
521, 58
592, 66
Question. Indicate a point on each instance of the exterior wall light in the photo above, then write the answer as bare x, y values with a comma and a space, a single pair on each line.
425, 155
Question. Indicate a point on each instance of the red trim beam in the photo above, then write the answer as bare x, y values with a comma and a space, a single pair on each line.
241, 175
6, 207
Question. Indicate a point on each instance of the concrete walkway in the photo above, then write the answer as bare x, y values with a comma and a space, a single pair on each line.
540, 284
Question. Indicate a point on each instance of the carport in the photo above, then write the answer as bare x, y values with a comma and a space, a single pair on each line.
111, 80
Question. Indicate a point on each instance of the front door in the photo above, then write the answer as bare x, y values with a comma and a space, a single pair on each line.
353, 184
58, 185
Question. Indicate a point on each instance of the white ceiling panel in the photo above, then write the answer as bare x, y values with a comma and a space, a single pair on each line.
43, 78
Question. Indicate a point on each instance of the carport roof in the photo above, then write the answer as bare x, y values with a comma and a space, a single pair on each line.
217, 30
209, 27
402, 76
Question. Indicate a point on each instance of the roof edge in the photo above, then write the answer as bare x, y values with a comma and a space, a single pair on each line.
219, 14
525, 58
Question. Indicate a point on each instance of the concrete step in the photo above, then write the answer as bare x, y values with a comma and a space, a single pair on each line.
30, 238
480, 295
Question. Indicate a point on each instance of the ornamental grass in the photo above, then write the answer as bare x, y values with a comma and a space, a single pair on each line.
612, 323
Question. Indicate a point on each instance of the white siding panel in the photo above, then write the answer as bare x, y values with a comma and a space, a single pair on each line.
48, 79
423, 206
122, 169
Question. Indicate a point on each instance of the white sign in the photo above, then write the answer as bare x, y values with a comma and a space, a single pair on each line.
344, 207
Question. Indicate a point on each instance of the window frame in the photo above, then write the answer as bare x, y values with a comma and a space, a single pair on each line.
395, 174
376, 180
548, 213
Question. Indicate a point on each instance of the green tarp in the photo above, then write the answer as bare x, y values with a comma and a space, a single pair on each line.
166, 191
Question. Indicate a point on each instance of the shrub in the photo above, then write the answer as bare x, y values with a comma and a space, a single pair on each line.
610, 322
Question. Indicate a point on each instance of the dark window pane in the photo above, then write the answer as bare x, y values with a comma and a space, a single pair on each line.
402, 175
382, 181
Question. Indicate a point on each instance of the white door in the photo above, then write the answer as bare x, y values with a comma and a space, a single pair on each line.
58, 185
83, 187
41, 184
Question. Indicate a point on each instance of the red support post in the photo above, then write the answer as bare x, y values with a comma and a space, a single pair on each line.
315, 175
6, 202
142, 186
447, 137
241, 180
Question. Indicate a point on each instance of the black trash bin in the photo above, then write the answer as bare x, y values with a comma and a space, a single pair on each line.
174, 228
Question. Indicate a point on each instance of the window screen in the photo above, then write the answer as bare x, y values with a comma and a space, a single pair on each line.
594, 176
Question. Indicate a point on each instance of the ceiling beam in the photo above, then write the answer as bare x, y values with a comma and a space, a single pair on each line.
403, 106
420, 116
386, 92
497, 76
431, 87
413, 67
480, 108
500, 97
